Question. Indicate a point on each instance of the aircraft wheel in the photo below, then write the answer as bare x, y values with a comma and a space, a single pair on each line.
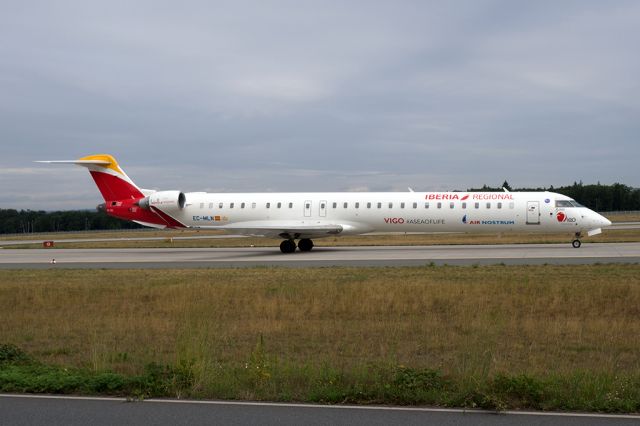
576, 243
288, 246
305, 244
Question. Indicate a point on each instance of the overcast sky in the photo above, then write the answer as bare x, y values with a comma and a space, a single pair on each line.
317, 96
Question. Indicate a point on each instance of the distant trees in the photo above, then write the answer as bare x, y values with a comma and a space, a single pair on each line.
28, 221
604, 198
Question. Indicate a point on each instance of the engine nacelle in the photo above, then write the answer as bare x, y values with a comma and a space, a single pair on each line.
164, 200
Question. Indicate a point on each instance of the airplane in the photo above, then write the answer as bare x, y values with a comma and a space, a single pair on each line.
304, 216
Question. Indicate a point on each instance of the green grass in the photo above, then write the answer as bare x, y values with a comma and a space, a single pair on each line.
544, 337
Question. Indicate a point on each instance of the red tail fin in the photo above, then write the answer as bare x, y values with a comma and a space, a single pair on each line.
112, 181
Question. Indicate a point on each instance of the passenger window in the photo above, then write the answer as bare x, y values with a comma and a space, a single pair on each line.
345, 205
279, 205
220, 205
390, 205
439, 205
307, 206
426, 205
451, 205
499, 205
335, 205
368, 205
231, 205
464, 205
415, 205
379, 205
357, 205
253, 205
477, 205
488, 205
242, 206
402, 205
291, 205
268, 205
322, 205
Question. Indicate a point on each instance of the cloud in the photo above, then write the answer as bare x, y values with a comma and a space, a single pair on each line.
294, 96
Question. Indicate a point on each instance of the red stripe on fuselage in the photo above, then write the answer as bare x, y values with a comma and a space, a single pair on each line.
170, 221
114, 188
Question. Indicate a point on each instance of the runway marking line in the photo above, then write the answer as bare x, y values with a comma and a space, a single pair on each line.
334, 407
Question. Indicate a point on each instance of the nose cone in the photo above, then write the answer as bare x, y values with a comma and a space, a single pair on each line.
599, 220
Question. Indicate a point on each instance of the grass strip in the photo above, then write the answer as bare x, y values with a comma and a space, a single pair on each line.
262, 379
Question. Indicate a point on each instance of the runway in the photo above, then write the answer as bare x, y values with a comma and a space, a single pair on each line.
510, 254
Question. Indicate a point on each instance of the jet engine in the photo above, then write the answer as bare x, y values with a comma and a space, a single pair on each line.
164, 200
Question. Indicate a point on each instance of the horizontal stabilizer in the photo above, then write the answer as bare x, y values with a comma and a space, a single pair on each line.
78, 162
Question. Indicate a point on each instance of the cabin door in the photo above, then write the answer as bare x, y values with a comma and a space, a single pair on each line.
533, 212
323, 208
307, 208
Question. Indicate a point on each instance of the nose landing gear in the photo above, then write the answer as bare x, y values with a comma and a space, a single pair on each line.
576, 243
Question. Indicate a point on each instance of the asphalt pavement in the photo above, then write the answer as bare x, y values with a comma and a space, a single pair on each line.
27, 410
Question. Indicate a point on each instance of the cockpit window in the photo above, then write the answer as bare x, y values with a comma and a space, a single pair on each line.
563, 203
568, 203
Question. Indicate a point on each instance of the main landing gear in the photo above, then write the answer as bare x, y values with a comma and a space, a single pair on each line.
289, 246
576, 243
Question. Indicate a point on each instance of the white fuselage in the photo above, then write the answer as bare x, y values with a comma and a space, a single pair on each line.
303, 216
364, 212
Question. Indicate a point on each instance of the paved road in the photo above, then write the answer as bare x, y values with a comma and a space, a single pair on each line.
322, 256
42, 410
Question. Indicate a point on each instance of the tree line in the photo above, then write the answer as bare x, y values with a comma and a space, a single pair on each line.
602, 198
28, 221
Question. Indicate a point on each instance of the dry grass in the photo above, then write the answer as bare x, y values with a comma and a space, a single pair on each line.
622, 217
464, 320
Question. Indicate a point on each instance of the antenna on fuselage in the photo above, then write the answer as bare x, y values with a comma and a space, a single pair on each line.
505, 189
410, 190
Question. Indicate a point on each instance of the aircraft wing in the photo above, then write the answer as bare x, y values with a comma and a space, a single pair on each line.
281, 229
